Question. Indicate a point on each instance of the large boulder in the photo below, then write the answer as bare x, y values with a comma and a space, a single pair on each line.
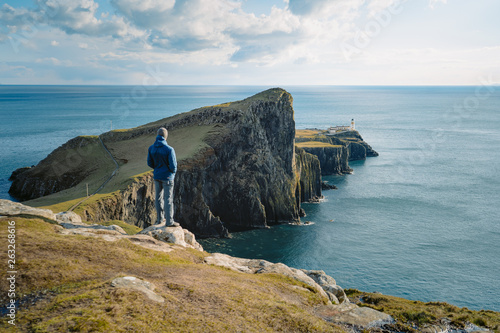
175, 235
10, 208
145, 287
68, 217
335, 292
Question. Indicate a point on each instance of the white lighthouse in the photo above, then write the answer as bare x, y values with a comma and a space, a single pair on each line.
352, 125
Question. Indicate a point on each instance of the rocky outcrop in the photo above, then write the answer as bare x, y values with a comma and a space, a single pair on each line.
256, 266
358, 319
68, 217
358, 148
19, 171
308, 170
338, 308
153, 236
75, 228
327, 186
145, 287
175, 235
10, 208
335, 151
329, 285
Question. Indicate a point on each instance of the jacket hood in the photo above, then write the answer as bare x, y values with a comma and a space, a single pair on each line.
160, 141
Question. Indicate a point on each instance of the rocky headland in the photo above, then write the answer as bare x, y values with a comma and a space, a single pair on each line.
334, 151
238, 169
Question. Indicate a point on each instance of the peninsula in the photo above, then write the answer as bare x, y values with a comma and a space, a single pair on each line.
241, 165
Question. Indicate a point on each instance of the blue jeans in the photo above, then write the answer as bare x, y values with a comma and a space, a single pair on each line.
164, 201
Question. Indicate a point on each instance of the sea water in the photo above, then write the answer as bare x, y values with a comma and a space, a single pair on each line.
420, 221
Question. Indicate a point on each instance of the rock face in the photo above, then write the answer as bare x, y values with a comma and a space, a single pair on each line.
358, 148
333, 160
309, 177
249, 177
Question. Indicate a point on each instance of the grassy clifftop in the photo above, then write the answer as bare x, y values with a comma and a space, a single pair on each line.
65, 286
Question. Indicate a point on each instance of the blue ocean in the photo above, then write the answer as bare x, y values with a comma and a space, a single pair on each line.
420, 221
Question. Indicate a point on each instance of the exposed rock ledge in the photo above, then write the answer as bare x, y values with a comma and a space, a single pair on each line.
318, 280
10, 208
338, 310
155, 237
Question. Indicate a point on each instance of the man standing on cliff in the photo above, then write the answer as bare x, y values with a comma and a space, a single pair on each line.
161, 157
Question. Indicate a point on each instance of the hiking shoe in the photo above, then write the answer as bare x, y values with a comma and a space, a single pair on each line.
173, 224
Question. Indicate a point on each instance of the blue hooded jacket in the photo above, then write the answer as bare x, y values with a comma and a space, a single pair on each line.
161, 157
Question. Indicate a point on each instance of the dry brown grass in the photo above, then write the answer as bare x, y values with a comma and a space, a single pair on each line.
68, 280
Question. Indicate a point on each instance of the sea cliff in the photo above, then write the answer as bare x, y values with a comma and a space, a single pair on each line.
334, 151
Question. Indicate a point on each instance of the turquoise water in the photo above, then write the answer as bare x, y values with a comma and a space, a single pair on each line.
420, 221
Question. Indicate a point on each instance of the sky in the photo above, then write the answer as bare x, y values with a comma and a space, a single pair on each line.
250, 42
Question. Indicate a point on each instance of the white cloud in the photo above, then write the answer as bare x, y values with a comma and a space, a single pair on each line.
377, 6
54, 61
216, 27
207, 36
73, 17
432, 3
193, 25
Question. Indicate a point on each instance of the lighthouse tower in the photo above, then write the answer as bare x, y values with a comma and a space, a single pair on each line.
352, 125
